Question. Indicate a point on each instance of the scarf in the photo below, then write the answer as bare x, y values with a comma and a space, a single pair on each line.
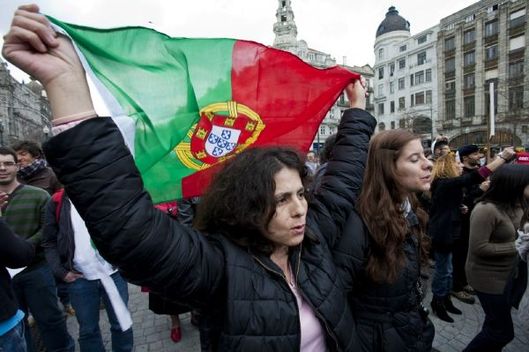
32, 169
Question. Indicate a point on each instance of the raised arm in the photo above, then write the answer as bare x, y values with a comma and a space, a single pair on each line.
340, 185
101, 179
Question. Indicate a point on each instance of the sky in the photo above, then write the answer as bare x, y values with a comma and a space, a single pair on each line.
338, 27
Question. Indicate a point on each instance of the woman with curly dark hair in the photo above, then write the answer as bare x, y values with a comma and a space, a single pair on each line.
259, 258
383, 245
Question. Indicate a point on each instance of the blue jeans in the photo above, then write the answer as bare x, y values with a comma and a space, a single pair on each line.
86, 296
36, 292
13, 340
497, 330
442, 277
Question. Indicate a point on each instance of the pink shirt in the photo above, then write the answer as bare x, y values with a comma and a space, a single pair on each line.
312, 336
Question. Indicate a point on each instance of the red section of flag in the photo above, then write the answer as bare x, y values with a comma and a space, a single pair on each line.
291, 97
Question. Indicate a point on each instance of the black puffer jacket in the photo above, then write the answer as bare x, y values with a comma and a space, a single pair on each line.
259, 310
444, 225
388, 316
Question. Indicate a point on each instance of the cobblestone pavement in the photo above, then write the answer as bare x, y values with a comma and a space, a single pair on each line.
151, 332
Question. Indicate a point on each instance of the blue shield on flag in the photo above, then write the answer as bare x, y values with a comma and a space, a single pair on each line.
221, 141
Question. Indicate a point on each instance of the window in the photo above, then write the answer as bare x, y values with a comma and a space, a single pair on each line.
381, 109
429, 75
428, 97
450, 106
392, 125
381, 53
402, 103
450, 86
491, 28
492, 8
323, 130
392, 106
402, 83
391, 87
517, 18
381, 73
469, 106
469, 36
450, 43
491, 52
412, 97
283, 3
381, 126
402, 64
469, 58
421, 58
411, 80
419, 77
419, 98
450, 65
403, 48
283, 18
517, 43
422, 39
381, 90
470, 18
469, 81
515, 69
391, 69
516, 98
524, 128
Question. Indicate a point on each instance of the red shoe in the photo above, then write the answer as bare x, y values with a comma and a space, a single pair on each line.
176, 334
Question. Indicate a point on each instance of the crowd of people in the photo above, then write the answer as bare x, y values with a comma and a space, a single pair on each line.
281, 254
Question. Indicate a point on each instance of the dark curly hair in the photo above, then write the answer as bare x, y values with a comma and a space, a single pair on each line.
240, 202
31, 147
507, 185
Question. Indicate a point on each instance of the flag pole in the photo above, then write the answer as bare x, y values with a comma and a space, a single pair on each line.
491, 127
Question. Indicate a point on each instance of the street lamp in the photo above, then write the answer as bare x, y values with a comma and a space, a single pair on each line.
46, 131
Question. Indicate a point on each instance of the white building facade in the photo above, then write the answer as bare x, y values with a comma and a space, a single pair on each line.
405, 76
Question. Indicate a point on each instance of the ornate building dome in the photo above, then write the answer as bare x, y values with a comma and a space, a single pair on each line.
393, 22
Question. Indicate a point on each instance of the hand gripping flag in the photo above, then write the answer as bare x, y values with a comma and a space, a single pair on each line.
186, 105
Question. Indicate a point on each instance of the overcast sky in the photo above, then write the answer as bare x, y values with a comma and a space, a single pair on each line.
338, 27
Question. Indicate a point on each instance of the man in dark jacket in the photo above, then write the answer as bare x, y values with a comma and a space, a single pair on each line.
14, 253
470, 158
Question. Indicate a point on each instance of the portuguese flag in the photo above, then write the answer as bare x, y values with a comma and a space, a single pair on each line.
186, 105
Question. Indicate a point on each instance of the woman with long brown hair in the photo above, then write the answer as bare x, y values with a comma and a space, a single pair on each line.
383, 244
445, 221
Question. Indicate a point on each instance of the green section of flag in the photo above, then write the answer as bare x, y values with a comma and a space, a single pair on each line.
161, 83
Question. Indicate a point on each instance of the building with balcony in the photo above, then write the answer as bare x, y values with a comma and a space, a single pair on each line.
286, 32
405, 72
478, 47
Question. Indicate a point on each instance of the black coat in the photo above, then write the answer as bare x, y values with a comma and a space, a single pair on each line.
260, 312
444, 225
15, 252
388, 316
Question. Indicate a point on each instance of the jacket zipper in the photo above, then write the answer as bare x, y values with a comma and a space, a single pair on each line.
331, 334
